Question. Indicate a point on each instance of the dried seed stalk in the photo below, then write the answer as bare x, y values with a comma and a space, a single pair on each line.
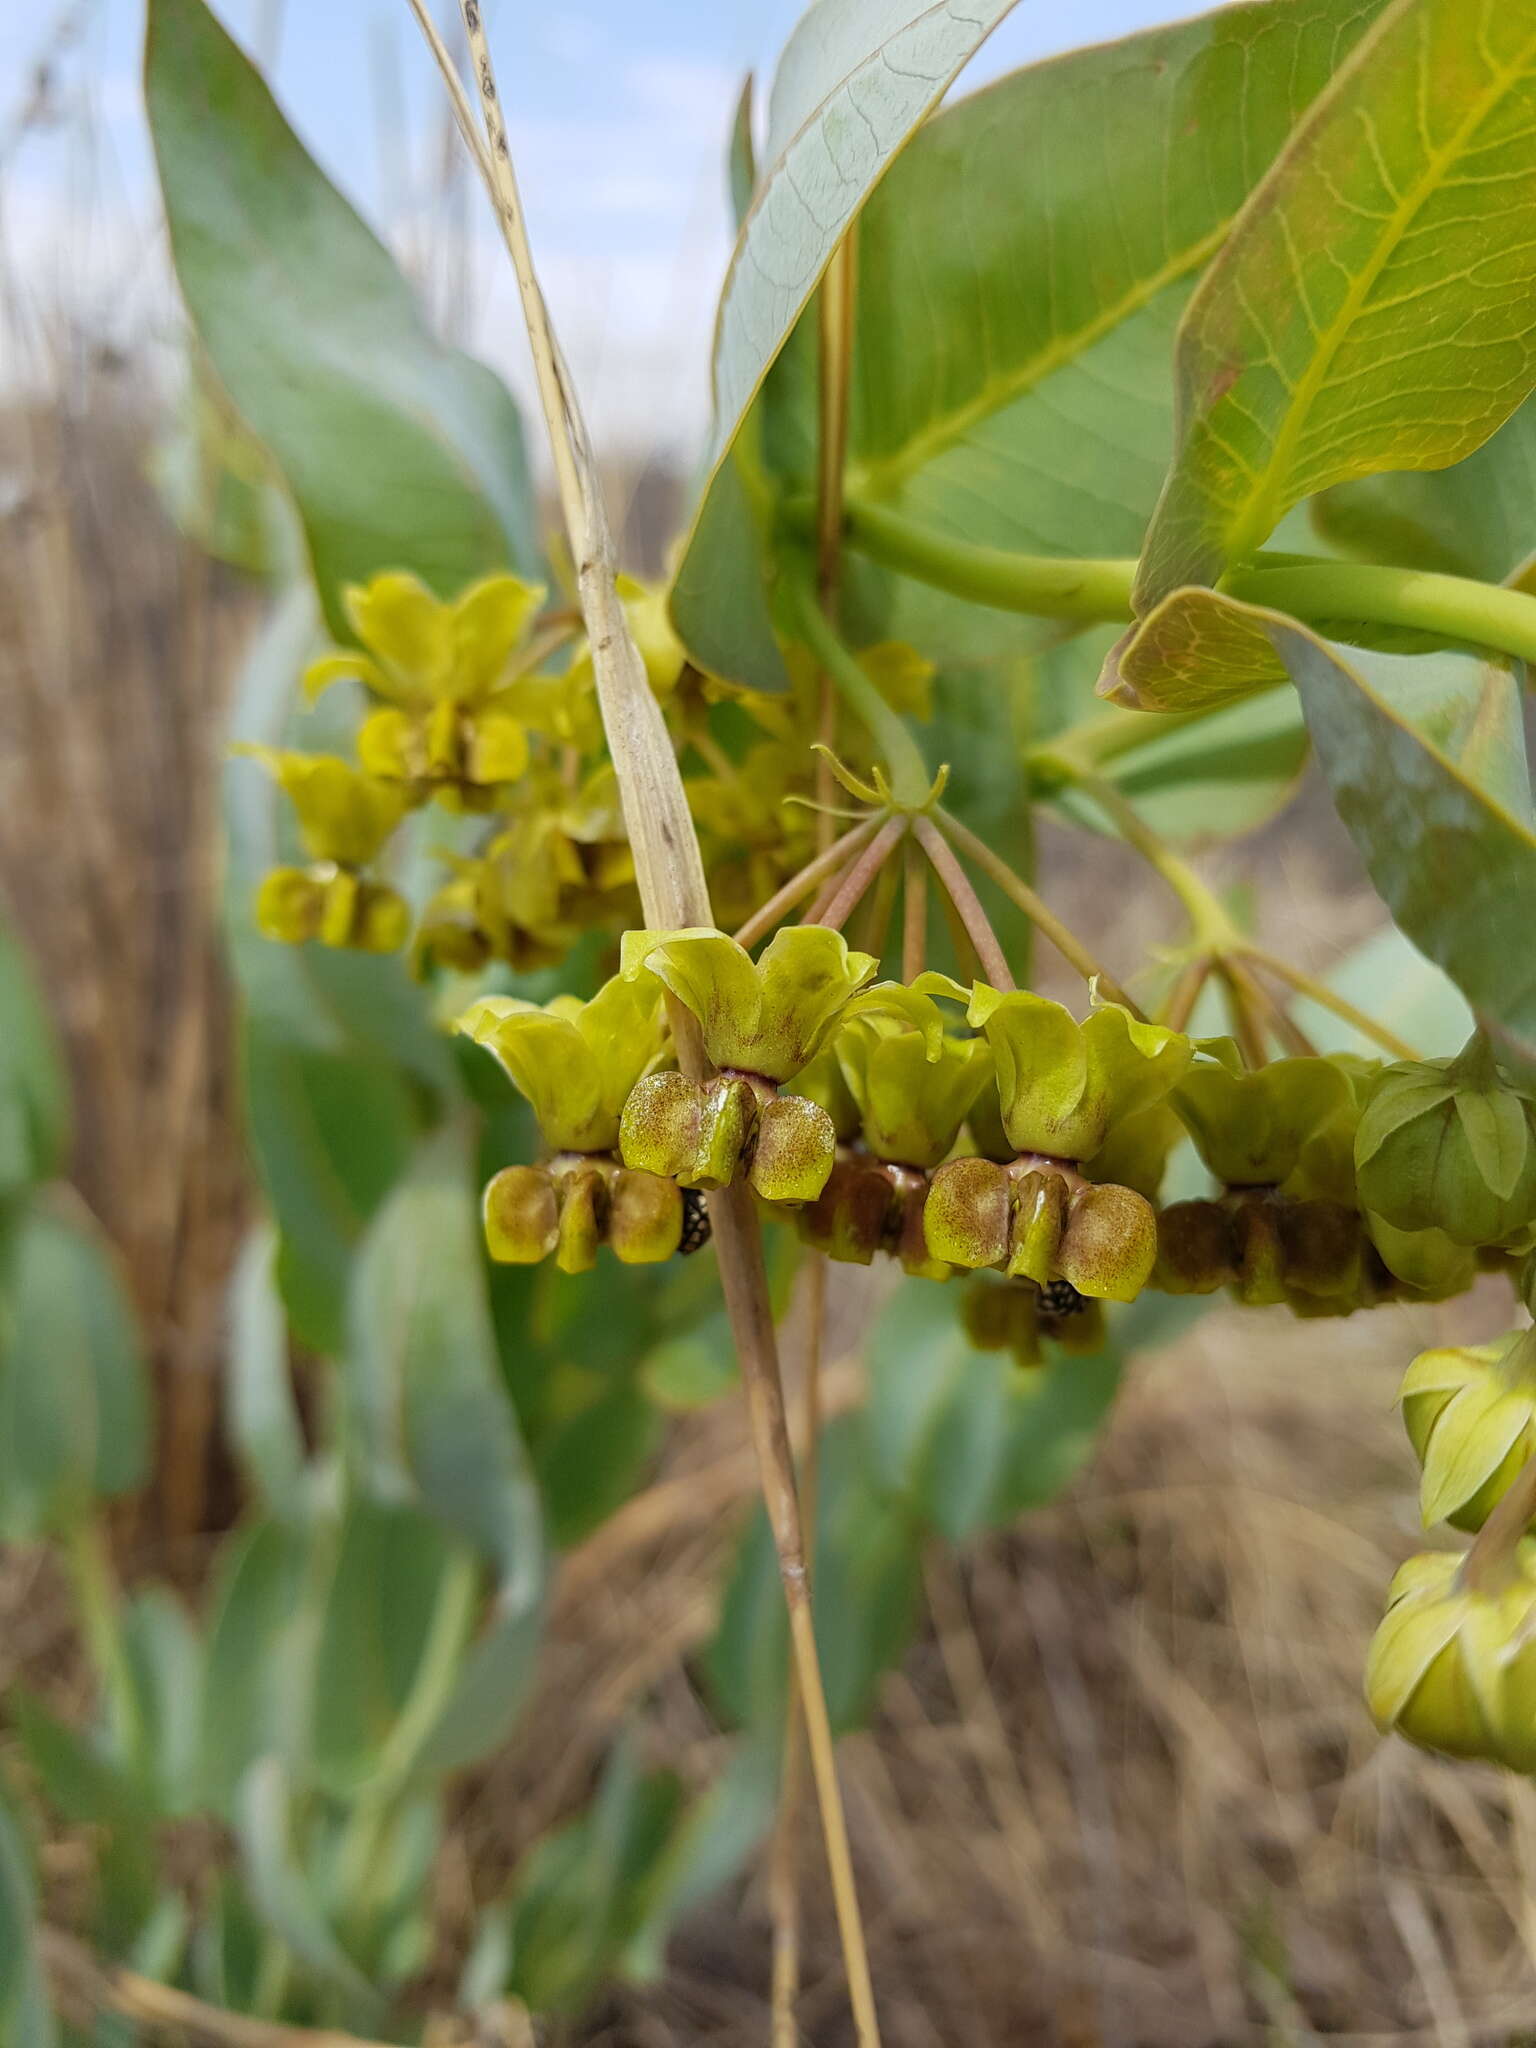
670, 875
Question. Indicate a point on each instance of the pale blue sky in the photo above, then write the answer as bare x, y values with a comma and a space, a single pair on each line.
619, 111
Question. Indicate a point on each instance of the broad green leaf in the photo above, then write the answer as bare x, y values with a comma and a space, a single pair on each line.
855, 79
430, 1413
1370, 308
1477, 518
1021, 272
264, 1427
282, 1889
1472, 711
26, 2010
34, 1093
399, 453
74, 1415
1456, 868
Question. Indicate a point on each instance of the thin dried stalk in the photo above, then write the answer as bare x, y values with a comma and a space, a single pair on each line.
670, 875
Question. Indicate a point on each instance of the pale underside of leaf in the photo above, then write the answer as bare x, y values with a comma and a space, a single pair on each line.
1371, 308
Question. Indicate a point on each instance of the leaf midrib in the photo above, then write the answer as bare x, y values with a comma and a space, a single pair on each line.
1248, 530
885, 476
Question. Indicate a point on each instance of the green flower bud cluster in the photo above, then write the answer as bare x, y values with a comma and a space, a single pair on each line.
344, 818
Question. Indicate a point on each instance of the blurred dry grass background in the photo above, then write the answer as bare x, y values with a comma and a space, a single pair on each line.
1124, 1792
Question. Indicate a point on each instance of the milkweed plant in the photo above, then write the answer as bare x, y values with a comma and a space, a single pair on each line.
1111, 485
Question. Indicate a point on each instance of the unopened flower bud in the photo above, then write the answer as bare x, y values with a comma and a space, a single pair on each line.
1470, 1413
1451, 1666
1448, 1145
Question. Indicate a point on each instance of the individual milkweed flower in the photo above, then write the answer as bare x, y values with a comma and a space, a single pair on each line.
1453, 1664
1449, 1145
914, 1084
768, 1017
1062, 1086
761, 1022
1470, 1413
443, 671
1251, 1126
344, 818
575, 1062
1039, 1220
576, 1202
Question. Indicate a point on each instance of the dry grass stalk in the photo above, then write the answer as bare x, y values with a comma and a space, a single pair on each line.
670, 875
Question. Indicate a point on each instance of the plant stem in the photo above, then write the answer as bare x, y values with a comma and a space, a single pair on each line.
910, 780
1045, 586
670, 874
957, 886
1176, 1011
1455, 609
783, 1885
1282, 1026
1039, 913
799, 886
1212, 926
836, 908
97, 1603
1243, 1012
914, 912
1490, 1560
1328, 999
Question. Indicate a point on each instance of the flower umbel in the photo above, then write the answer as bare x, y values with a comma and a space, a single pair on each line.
442, 670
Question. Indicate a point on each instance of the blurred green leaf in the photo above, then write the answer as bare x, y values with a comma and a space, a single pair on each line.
591, 1462
1477, 518
74, 1415
1456, 868
400, 453
868, 1547
259, 1657
1367, 310
165, 1663
341, 1064
26, 2010
856, 77
691, 1370
964, 1436
34, 1092
583, 1894
716, 1835
396, 1617
430, 1414
282, 1891
265, 1432
219, 485
87, 1788
1387, 976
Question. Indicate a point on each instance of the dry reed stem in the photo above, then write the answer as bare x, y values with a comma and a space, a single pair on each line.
670, 875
